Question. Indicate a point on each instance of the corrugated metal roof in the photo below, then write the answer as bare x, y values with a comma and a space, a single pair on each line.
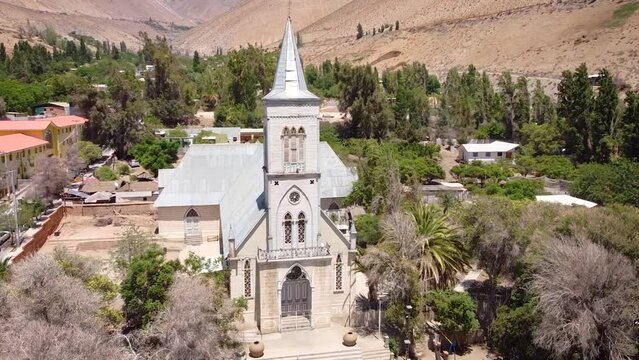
565, 200
231, 175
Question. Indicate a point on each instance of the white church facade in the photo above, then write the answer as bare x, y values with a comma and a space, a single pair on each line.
274, 209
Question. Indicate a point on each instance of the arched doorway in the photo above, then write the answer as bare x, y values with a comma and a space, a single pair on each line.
296, 294
192, 226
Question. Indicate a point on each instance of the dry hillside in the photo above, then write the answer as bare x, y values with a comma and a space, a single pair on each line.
255, 22
113, 20
533, 37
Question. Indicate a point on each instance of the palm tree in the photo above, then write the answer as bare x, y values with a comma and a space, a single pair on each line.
423, 238
442, 253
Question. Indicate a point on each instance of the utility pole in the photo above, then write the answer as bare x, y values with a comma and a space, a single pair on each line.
12, 190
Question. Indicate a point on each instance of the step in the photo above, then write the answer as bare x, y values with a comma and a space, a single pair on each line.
292, 323
346, 354
377, 354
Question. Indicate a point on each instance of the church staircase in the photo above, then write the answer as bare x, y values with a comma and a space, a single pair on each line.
295, 323
343, 354
376, 354
193, 240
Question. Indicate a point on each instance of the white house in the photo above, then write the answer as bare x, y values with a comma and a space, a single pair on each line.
496, 150
275, 210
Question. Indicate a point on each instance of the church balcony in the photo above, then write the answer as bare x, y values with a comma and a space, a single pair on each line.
296, 253
294, 167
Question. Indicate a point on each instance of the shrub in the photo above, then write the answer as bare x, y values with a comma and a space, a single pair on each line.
89, 152
511, 333
520, 189
123, 168
617, 182
105, 173
368, 232
104, 286
454, 310
144, 290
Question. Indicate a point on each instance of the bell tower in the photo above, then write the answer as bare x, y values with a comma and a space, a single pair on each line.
291, 146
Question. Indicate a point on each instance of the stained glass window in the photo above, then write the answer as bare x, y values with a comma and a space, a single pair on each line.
301, 228
338, 272
247, 279
288, 228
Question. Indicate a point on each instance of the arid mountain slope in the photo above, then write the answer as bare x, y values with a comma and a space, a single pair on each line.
199, 10
531, 37
255, 22
113, 20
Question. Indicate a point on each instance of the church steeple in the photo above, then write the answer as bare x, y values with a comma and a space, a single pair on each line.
289, 81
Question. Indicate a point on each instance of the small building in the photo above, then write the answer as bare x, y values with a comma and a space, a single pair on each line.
52, 109
565, 200
100, 186
22, 153
137, 191
432, 192
251, 135
494, 151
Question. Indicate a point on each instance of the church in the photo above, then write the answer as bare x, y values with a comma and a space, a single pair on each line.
273, 209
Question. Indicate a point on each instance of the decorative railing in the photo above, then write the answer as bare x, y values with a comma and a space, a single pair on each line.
294, 167
282, 254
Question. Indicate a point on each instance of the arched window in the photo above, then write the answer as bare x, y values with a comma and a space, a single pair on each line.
288, 228
293, 145
247, 279
300, 146
192, 214
338, 272
285, 140
301, 228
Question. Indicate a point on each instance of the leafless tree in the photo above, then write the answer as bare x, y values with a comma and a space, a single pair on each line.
74, 265
133, 242
75, 164
589, 298
48, 315
51, 178
195, 325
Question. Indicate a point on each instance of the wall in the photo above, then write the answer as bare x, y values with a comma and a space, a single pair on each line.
24, 161
328, 303
481, 156
171, 220
97, 210
41, 236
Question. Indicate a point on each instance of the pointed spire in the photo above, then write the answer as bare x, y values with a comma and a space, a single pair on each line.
289, 76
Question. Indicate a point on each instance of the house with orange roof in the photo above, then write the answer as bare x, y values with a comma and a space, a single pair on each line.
60, 132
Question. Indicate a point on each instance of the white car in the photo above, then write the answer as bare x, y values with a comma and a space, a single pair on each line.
134, 163
4, 237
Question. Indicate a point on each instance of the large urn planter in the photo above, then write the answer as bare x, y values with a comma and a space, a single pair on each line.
349, 339
256, 349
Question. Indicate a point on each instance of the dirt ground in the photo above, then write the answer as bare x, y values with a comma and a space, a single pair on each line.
447, 161
82, 235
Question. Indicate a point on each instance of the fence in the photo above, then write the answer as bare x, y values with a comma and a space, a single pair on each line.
41, 236
98, 210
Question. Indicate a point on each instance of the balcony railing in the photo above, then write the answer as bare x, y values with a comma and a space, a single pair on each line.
294, 167
283, 254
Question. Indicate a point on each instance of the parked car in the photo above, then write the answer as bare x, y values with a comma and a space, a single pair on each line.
4, 237
134, 163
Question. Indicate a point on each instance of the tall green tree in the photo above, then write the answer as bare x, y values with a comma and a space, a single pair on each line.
605, 118
196, 61
576, 102
630, 126
144, 289
543, 107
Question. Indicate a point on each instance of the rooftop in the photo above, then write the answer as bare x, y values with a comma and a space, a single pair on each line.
289, 83
231, 175
17, 142
41, 124
565, 200
495, 146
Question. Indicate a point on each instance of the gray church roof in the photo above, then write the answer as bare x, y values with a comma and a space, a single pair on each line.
231, 175
289, 81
